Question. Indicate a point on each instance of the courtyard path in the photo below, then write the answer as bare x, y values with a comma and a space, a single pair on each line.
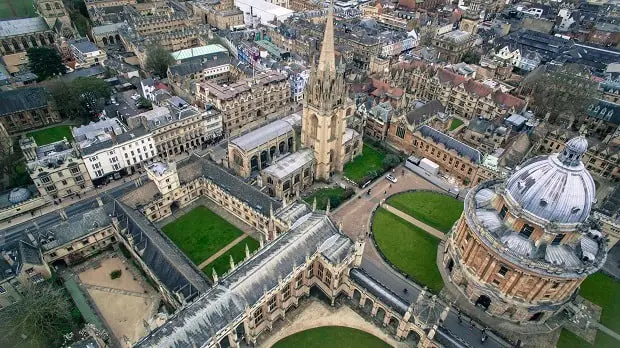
428, 229
222, 251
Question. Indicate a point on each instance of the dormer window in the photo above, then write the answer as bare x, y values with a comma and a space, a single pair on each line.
543, 202
575, 210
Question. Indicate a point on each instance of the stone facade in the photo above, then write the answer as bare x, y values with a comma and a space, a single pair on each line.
19, 35
56, 169
506, 256
248, 100
77, 250
221, 14
463, 96
30, 108
258, 149
289, 176
453, 45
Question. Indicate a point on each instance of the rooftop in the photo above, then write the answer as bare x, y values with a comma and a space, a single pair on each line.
200, 51
451, 143
23, 99
16, 27
262, 135
104, 29
227, 92
198, 323
290, 163
85, 46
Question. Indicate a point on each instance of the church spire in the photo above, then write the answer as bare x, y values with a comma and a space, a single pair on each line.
327, 60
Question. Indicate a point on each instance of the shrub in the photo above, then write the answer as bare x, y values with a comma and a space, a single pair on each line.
334, 202
390, 161
348, 193
116, 274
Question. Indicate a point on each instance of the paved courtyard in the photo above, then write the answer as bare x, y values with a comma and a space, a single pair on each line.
125, 303
355, 215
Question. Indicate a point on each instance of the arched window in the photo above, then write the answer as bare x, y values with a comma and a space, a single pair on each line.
48, 7
334, 126
269, 180
314, 125
57, 5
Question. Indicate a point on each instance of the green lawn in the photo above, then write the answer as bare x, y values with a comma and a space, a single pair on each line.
408, 247
456, 123
13, 9
323, 195
201, 233
222, 263
432, 208
604, 291
371, 159
50, 135
331, 337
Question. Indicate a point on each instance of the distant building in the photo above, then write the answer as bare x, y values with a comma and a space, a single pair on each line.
289, 175
18, 35
487, 136
108, 3
248, 100
86, 54
108, 148
453, 45
20, 265
219, 14
106, 35
56, 169
256, 150
28, 108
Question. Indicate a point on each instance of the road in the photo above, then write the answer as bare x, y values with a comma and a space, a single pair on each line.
19, 231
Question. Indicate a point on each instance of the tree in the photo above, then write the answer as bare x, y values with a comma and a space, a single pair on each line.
40, 319
561, 92
45, 62
471, 57
80, 98
144, 103
390, 161
158, 59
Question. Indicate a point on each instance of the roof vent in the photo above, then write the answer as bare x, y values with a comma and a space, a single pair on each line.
543, 202
575, 210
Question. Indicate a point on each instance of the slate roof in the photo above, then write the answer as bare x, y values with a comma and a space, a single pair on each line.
451, 143
166, 261
29, 254
262, 135
75, 227
195, 66
429, 109
384, 294
23, 26
606, 111
23, 99
197, 324
288, 164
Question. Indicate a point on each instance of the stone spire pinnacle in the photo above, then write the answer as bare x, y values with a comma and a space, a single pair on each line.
327, 60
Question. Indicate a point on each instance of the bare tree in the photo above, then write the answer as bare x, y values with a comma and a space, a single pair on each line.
40, 319
563, 92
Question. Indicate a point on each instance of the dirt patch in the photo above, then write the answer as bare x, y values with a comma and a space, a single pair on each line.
125, 302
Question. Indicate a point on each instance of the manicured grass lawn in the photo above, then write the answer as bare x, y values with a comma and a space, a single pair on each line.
323, 195
222, 263
434, 209
408, 247
50, 135
604, 291
201, 233
371, 159
331, 337
13, 9
456, 123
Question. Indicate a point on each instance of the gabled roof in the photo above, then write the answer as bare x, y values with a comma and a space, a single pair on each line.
475, 87
196, 324
23, 26
429, 109
22, 99
449, 77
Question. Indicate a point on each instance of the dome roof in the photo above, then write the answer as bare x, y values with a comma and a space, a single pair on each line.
18, 195
556, 188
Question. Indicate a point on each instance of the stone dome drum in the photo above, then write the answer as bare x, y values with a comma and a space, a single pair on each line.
556, 188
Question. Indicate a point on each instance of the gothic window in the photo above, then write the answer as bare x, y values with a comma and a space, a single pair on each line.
287, 185
297, 178
328, 277
314, 125
334, 126
286, 292
258, 316
400, 132
502, 212
269, 180
57, 5
281, 147
320, 271
271, 305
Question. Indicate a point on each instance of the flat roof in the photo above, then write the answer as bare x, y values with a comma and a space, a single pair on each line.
262, 135
288, 164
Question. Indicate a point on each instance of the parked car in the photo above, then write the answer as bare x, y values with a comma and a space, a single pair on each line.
391, 178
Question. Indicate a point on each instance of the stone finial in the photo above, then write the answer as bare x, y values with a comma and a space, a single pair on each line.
247, 251
261, 241
314, 204
340, 226
328, 206
270, 210
214, 276
232, 262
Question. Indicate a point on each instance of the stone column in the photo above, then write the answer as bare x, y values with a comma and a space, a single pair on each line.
536, 289
483, 266
489, 271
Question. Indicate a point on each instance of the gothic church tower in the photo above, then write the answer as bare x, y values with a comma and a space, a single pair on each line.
325, 108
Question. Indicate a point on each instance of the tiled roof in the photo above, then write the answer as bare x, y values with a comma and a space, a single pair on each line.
508, 100
449, 77
480, 89
22, 99
431, 108
22, 26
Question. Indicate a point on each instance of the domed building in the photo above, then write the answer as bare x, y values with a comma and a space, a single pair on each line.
523, 245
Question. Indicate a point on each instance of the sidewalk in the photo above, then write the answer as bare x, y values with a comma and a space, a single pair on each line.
221, 252
431, 230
